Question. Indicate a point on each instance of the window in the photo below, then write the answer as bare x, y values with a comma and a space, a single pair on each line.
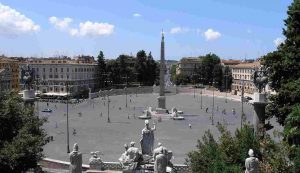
62, 70
50, 76
75, 69
37, 69
67, 69
67, 76
44, 70
55, 69
50, 69
56, 76
61, 76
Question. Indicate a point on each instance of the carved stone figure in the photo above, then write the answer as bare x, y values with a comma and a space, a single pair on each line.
27, 76
133, 157
161, 162
147, 140
75, 160
95, 162
251, 163
260, 78
157, 150
124, 158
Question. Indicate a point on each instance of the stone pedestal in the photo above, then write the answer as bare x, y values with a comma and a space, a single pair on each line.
29, 96
259, 105
161, 102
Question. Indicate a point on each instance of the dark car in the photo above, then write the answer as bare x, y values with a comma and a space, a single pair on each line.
248, 98
47, 110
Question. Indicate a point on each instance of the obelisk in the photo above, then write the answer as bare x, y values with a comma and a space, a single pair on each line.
162, 99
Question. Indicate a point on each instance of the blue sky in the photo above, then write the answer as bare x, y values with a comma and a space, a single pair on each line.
230, 28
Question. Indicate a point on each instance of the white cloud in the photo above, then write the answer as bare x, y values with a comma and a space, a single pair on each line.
13, 23
62, 24
137, 15
95, 29
278, 41
210, 34
88, 28
177, 30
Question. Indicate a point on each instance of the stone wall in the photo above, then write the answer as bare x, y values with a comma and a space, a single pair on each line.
62, 165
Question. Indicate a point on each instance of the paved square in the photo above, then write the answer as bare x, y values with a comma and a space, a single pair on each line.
93, 133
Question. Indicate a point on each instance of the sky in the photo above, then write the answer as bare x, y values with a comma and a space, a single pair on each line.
232, 29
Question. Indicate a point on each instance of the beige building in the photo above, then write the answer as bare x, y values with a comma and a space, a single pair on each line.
241, 74
5, 79
53, 75
186, 66
13, 66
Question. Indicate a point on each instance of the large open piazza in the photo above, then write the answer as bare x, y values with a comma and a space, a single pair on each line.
93, 133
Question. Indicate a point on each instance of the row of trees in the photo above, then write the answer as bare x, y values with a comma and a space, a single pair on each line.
127, 70
209, 72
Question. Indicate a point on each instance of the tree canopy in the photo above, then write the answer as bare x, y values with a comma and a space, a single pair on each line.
284, 67
21, 135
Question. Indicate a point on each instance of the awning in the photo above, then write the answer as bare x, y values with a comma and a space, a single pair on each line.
55, 94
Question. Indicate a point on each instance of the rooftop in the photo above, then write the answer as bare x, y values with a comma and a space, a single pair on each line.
247, 65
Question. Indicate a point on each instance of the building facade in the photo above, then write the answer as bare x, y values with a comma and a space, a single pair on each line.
53, 76
5, 79
187, 66
12, 66
241, 75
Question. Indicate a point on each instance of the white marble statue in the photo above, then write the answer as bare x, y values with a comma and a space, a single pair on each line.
75, 160
161, 162
251, 163
147, 141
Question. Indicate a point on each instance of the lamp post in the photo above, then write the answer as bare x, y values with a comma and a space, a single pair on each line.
126, 96
68, 140
213, 105
108, 119
225, 88
242, 98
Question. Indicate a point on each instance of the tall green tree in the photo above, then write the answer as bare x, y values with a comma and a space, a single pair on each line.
21, 135
206, 69
227, 79
151, 66
284, 68
101, 70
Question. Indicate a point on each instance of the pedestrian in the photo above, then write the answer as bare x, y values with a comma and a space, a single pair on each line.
101, 114
130, 100
56, 126
206, 110
74, 132
128, 117
47, 104
190, 125
217, 108
233, 111
55, 106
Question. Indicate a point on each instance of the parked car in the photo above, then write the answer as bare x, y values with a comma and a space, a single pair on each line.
47, 110
199, 86
248, 98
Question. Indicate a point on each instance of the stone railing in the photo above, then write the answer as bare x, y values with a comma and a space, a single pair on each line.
62, 165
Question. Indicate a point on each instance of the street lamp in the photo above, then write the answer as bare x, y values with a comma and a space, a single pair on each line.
68, 140
226, 88
126, 96
242, 98
213, 106
201, 92
108, 119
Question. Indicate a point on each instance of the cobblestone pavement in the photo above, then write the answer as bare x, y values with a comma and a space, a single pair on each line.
93, 133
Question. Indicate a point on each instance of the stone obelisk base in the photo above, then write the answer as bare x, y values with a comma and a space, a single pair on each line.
161, 102
259, 105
